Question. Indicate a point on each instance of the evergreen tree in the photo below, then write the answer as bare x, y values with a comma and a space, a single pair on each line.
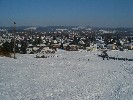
23, 47
54, 37
11, 45
75, 41
6, 46
61, 46
129, 39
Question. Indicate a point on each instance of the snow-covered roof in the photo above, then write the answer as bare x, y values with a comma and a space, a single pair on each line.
110, 45
81, 42
41, 45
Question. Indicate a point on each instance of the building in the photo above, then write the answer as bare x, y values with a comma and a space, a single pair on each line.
128, 46
111, 46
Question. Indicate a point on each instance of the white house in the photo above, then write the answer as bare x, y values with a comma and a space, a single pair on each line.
128, 46
54, 41
81, 42
100, 45
93, 47
111, 46
29, 50
3, 40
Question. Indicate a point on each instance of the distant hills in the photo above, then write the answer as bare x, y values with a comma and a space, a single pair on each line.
38, 28
53, 28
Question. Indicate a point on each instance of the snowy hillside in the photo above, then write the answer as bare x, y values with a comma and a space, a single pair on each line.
67, 76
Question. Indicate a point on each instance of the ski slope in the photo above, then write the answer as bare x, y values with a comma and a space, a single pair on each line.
77, 75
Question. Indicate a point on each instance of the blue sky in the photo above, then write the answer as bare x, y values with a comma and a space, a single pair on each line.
107, 13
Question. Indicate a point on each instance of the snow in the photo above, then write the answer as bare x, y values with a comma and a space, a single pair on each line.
69, 75
124, 54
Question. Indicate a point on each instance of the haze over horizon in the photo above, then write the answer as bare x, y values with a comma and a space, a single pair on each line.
99, 13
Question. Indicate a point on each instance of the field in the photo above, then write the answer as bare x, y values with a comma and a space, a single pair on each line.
69, 75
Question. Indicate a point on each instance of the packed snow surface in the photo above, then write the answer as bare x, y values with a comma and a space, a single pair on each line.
69, 75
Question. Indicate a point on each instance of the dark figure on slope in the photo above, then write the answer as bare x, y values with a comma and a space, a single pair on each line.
105, 55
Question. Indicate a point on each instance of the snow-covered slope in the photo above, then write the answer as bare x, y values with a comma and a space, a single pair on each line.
67, 76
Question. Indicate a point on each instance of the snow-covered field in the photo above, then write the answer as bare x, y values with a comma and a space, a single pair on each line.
67, 76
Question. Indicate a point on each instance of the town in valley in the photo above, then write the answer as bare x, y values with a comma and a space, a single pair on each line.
32, 40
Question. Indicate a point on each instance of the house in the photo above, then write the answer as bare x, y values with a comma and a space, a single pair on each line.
35, 49
54, 42
100, 45
44, 50
44, 41
3, 40
81, 42
72, 48
1, 44
111, 46
128, 46
55, 46
93, 47
29, 50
